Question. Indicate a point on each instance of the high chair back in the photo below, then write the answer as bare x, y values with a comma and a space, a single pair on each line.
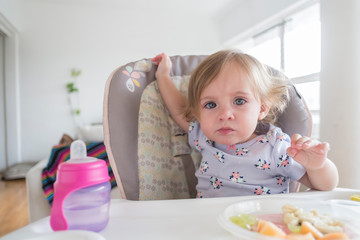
147, 150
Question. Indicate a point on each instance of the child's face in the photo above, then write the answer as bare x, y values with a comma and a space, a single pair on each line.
229, 110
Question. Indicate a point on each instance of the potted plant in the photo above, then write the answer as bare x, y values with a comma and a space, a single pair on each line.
73, 92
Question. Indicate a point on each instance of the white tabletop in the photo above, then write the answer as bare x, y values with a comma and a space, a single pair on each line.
168, 219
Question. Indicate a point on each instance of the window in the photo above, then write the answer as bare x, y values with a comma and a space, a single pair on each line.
294, 46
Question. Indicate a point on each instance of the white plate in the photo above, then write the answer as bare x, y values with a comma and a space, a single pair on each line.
355, 205
273, 206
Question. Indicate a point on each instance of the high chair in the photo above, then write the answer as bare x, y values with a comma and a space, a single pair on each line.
147, 150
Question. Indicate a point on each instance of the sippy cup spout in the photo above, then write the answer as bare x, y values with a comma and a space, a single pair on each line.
78, 150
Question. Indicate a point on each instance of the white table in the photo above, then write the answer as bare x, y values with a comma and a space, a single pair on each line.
170, 219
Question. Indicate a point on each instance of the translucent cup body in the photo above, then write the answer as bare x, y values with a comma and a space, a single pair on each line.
88, 208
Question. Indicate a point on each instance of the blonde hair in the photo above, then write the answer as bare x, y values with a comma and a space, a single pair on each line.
270, 90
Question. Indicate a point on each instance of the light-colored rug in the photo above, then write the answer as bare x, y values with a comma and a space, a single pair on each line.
17, 171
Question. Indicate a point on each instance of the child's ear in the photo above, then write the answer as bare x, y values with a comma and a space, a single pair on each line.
264, 110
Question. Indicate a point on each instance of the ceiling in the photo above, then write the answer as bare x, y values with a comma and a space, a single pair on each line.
206, 8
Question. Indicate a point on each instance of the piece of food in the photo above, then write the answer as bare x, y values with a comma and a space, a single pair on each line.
355, 197
295, 236
244, 220
307, 227
335, 236
269, 229
294, 228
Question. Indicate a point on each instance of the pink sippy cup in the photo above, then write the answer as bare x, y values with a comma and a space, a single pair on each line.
81, 192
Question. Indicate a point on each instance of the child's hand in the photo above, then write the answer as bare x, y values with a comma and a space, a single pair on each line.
310, 153
164, 65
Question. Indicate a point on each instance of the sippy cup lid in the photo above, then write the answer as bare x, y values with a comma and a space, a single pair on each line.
82, 168
78, 153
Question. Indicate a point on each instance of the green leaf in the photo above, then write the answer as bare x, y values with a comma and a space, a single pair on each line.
71, 87
77, 111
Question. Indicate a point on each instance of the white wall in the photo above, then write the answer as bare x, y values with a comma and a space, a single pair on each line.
11, 11
340, 84
57, 35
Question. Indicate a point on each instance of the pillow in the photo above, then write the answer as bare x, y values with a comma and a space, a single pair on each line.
92, 133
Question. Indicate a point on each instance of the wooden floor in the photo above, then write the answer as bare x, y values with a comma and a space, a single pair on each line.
13, 206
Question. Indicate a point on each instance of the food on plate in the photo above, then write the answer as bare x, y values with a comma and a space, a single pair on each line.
293, 224
270, 229
244, 220
297, 236
320, 222
335, 236
355, 197
307, 227
294, 228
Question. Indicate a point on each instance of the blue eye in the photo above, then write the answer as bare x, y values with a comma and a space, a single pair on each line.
239, 101
210, 105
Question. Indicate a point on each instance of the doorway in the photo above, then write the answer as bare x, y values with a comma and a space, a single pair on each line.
10, 144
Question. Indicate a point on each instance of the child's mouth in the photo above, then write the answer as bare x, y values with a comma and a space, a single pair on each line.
225, 131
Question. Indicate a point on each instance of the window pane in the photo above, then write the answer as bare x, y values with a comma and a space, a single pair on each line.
268, 53
266, 47
310, 91
302, 43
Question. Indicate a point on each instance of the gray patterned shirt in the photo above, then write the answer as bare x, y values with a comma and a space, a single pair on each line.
259, 166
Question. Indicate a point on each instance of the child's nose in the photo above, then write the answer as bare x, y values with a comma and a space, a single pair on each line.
226, 114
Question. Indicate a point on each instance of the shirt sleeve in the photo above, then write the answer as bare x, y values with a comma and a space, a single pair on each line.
195, 135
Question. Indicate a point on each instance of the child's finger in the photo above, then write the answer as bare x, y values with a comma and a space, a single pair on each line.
306, 143
297, 141
295, 137
157, 59
323, 147
292, 152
